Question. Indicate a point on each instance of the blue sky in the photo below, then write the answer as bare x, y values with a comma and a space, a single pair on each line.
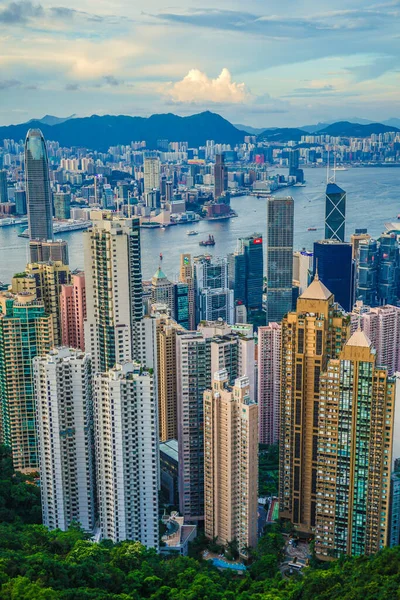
259, 62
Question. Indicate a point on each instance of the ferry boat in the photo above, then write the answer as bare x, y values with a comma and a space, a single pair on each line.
312, 229
298, 184
340, 168
192, 232
209, 242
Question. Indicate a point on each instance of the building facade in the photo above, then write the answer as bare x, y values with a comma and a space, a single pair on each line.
334, 263
127, 454
335, 212
63, 393
231, 462
73, 311
186, 276
269, 379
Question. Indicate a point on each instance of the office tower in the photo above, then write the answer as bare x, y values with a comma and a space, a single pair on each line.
335, 212
220, 176
181, 304
41, 251
194, 377
367, 272
389, 269
294, 161
20, 202
310, 336
333, 260
269, 379
3, 186
186, 276
354, 450
245, 271
231, 462
358, 236
62, 205
26, 331
162, 290
73, 311
214, 304
302, 269
38, 194
382, 326
63, 393
46, 280
127, 456
169, 469
151, 174
169, 191
113, 289
279, 255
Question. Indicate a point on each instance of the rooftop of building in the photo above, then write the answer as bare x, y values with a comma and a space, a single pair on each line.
316, 290
359, 340
333, 188
159, 274
170, 448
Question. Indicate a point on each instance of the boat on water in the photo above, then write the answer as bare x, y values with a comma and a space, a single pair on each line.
312, 229
341, 168
209, 242
299, 184
192, 232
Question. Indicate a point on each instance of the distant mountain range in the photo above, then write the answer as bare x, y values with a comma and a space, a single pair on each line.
99, 133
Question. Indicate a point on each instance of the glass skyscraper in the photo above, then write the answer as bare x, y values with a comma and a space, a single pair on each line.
335, 212
280, 213
333, 260
245, 272
38, 194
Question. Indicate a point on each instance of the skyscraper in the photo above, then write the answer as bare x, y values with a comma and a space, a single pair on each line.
26, 331
354, 451
186, 276
214, 299
162, 290
127, 454
3, 186
367, 272
113, 289
45, 251
280, 213
378, 270
62, 205
269, 379
181, 304
335, 212
220, 176
334, 262
230, 462
311, 336
246, 273
38, 194
73, 311
63, 393
151, 174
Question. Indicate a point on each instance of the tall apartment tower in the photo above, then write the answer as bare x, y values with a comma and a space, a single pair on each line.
186, 276
335, 212
3, 186
279, 248
127, 454
113, 289
63, 392
311, 336
73, 312
48, 279
220, 176
382, 326
151, 173
269, 380
231, 462
162, 290
26, 331
38, 194
355, 425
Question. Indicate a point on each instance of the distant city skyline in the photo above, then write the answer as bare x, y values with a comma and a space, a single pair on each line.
263, 65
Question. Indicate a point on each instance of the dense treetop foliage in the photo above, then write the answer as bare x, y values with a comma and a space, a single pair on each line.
36, 564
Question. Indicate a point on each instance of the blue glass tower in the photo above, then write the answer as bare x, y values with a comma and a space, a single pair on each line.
335, 212
334, 262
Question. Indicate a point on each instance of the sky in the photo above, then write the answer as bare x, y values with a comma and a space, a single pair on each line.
261, 62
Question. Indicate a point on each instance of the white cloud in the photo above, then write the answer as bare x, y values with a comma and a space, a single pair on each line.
197, 87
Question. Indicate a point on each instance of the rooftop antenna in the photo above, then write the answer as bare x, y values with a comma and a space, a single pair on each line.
331, 178
316, 276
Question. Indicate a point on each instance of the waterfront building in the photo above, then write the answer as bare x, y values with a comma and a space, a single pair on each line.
354, 453
151, 174
279, 256
186, 276
62, 205
310, 336
231, 462
3, 186
46, 281
20, 202
26, 331
73, 311
269, 378
335, 212
113, 289
220, 176
333, 260
127, 454
38, 194
63, 394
